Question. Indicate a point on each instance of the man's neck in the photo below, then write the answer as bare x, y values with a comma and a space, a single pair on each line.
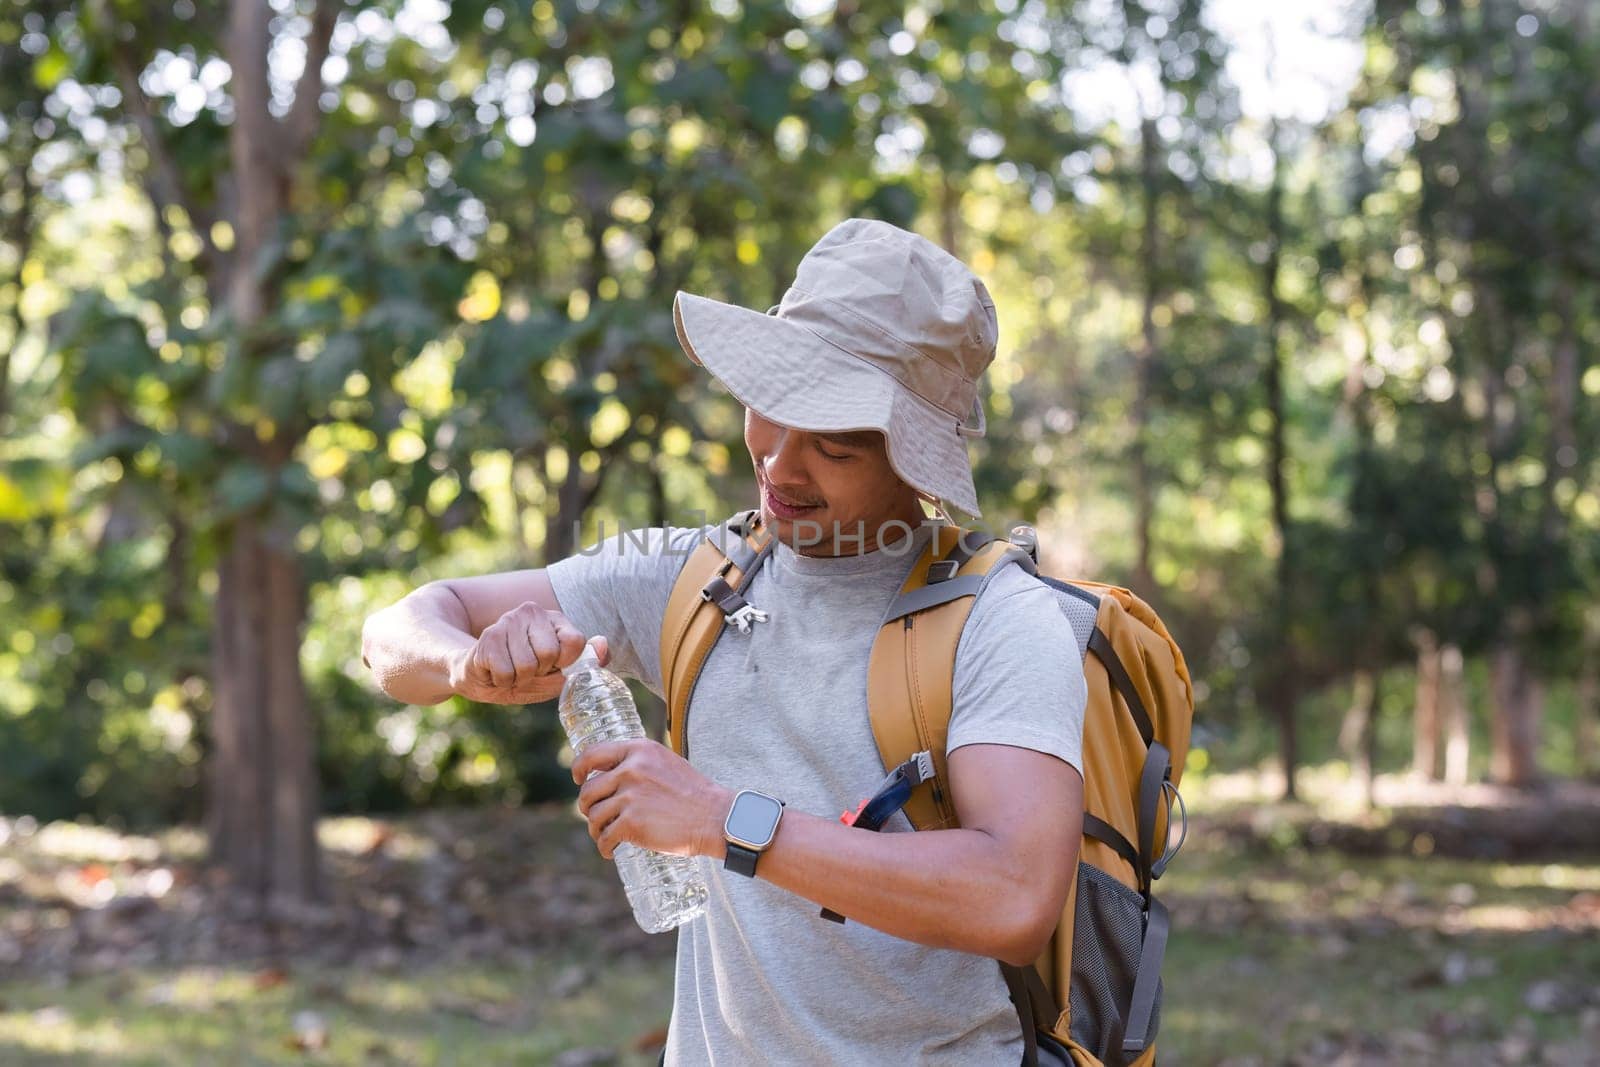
885, 531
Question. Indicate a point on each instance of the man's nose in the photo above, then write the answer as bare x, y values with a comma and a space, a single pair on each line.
784, 461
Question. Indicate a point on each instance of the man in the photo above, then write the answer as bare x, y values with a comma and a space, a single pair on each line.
858, 389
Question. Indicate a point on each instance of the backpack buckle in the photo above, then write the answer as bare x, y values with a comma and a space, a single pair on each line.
736, 611
942, 570
1026, 538
745, 617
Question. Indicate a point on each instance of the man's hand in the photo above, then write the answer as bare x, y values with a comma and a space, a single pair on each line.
647, 795
518, 658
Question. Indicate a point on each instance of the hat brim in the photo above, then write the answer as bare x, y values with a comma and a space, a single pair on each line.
789, 375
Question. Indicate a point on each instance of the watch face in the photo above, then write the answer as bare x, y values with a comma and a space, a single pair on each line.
753, 819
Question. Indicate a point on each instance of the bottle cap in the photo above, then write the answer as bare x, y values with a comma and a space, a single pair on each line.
586, 659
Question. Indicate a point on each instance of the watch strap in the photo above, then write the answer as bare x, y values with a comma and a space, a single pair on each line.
741, 860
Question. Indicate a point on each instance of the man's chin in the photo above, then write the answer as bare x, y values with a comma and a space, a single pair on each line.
802, 532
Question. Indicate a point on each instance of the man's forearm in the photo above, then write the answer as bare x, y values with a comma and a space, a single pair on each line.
995, 888
956, 889
409, 645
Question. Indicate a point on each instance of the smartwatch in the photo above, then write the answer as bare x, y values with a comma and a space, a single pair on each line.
751, 825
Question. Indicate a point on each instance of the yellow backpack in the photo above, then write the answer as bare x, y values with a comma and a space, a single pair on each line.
1096, 990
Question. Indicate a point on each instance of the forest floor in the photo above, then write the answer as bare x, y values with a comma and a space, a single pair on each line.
1446, 926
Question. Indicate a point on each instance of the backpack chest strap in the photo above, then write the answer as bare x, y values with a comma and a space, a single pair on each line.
706, 600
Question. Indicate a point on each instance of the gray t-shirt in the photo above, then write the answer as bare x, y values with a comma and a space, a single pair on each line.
761, 978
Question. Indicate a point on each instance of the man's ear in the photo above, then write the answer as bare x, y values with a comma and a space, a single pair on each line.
939, 511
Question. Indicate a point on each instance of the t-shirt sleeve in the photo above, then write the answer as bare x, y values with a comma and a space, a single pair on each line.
1018, 676
619, 586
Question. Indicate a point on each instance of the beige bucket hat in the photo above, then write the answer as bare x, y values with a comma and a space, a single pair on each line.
881, 330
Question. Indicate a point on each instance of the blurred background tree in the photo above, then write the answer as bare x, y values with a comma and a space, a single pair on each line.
304, 303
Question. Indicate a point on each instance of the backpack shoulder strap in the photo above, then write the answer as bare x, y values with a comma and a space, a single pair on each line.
912, 667
705, 598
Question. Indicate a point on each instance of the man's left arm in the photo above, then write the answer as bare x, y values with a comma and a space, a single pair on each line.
995, 887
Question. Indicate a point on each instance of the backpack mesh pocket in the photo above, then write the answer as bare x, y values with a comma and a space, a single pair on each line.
1107, 935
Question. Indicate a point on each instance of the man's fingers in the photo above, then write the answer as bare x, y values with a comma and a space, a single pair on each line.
473, 672
535, 690
541, 648
601, 757
594, 790
611, 828
602, 815
494, 657
569, 641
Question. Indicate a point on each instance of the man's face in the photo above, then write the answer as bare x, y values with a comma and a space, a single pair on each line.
842, 478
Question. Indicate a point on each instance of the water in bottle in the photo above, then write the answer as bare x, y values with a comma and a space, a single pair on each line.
665, 891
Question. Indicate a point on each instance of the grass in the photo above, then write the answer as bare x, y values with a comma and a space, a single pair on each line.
1287, 952
1284, 950
482, 1016
1268, 994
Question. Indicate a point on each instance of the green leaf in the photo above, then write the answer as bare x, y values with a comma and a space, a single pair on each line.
185, 453
325, 377
123, 441
766, 95
14, 503
402, 322
278, 387
557, 133
606, 125
829, 117
505, 355
50, 68
692, 83
243, 485
296, 483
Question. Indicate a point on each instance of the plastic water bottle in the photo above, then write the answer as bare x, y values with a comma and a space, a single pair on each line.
665, 891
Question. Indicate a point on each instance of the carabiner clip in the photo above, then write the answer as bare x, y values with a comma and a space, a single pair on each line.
745, 617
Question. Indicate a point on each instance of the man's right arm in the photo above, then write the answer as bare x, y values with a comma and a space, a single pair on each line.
497, 638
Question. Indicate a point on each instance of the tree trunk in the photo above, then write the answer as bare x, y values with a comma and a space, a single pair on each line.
1586, 715
949, 214
1516, 696
262, 816
1453, 710
1356, 735
658, 491
1514, 692
1144, 360
573, 496
263, 787
1282, 691
1561, 392
19, 236
1518, 708
561, 531
527, 470
1364, 507
1426, 723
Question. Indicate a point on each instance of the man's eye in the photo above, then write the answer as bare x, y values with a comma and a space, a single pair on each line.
829, 455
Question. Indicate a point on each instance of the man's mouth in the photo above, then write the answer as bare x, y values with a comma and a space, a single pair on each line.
786, 509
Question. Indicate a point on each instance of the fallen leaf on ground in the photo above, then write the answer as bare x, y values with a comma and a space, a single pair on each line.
650, 1039
271, 978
